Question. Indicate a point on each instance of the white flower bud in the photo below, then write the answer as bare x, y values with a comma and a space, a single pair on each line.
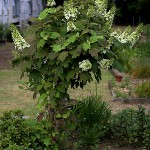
85, 65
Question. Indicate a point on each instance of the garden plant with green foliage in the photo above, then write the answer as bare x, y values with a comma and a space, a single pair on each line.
71, 41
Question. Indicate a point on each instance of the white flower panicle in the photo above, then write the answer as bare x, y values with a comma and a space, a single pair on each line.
116, 33
126, 36
101, 6
51, 3
91, 11
70, 12
121, 37
19, 41
85, 65
126, 32
133, 38
70, 26
109, 16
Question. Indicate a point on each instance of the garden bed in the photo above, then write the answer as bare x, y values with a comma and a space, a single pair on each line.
130, 90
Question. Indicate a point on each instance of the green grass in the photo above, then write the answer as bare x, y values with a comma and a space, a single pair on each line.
11, 97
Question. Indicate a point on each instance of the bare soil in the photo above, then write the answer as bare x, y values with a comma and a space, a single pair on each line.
5, 55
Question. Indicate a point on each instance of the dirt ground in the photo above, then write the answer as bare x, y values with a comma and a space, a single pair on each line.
5, 55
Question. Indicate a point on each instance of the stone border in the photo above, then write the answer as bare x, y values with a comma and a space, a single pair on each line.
127, 100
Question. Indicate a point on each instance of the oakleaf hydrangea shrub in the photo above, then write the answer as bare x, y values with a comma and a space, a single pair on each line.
70, 43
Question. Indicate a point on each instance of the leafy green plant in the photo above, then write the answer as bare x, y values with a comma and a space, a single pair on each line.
143, 90
93, 117
131, 127
13, 130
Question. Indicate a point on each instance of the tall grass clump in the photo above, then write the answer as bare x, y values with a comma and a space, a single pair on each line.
93, 117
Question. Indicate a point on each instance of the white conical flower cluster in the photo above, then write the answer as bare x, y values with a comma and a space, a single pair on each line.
101, 6
109, 16
51, 3
126, 36
133, 38
70, 12
19, 41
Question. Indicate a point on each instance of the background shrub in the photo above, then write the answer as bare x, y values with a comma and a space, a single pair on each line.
131, 127
17, 133
14, 130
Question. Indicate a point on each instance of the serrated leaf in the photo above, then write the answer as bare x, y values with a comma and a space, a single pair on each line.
66, 115
52, 56
62, 56
76, 52
58, 115
85, 31
71, 39
47, 85
70, 75
93, 32
35, 75
42, 97
54, 133
94, 39
84, 76
94, 52
61, 89
47, 141
37, 135
65, 63
56, 48
41, 43
54, 35
57, 95
58, 70
46, 11
86, 46
39, 87
44, 35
